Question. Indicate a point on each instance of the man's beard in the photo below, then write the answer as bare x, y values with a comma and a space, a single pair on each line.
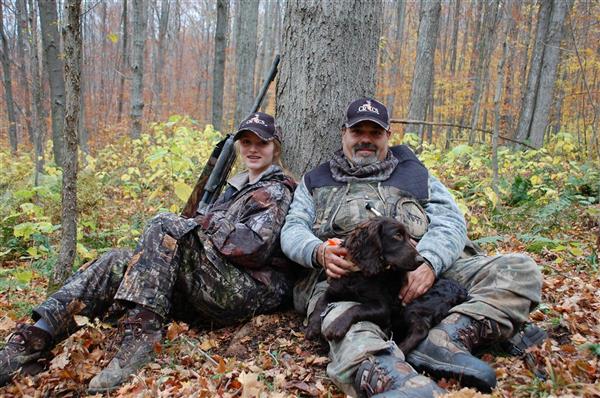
364, 160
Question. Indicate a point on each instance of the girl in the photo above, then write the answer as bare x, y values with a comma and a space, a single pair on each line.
216, 269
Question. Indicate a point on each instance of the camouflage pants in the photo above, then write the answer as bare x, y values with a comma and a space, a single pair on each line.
174, 271
504, 288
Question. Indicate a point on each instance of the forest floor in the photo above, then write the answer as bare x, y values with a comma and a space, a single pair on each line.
269, 356
548, 207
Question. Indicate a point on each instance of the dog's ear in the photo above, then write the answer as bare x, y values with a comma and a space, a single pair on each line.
365, 247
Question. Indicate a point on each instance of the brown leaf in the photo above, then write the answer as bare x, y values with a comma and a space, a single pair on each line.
175, 329
221, 368
251, 386
60, 361
7, 324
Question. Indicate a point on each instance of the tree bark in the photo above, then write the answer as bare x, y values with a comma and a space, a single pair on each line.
124, 61
23, 58
486, 48
37, 115
221, 33
497, 105
424, 63
529, 98
454, 41
395, 74
8, 91
314, 91
545, 91
68, 242
140, 22
160, 59
245, 56
55, 66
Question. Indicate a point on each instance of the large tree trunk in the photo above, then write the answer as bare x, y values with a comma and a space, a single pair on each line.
219, 62
395, 75
68, 242
51, 42
8, 92
424, 63
160, 59
528, 103
314, 91
545, 91
124, 60
140, 22
245, 57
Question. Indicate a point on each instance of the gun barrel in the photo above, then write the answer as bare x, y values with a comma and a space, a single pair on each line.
266, 84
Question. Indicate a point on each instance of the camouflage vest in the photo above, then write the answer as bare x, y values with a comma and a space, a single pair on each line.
341, 206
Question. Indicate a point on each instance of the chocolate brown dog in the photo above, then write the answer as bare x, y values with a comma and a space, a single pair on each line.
380, 247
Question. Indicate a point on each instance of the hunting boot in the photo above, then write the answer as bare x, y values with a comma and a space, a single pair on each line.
446, 352
386, 375
24, 348
141, 331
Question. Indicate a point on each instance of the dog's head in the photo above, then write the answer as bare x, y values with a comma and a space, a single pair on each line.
382, 243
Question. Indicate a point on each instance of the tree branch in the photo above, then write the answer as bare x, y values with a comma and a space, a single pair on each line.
404, 121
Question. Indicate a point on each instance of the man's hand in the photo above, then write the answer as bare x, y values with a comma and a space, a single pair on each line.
417, 283
331, 256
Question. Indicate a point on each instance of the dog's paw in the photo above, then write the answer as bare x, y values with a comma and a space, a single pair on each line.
337, 330
312, 332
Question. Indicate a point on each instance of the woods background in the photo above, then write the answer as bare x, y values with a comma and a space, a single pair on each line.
206, 59
501, 98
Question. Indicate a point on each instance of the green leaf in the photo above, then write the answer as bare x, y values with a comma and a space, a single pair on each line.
489, 239
24, 276
24, 230
182, 190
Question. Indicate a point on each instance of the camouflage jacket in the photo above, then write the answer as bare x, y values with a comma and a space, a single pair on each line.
245, 222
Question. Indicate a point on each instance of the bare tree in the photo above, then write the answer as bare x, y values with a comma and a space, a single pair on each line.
23, 59
160, 58
140, 22
37, 114
313, 92
497, 100
245, 57
395, 75
124, 60
454, 40
423, 70
533, 119
8, 91
486, 48
221, 34
547, 79
535, 67
68, 242
55, 67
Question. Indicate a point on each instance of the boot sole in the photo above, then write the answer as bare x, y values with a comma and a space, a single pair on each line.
438, 370
103, 390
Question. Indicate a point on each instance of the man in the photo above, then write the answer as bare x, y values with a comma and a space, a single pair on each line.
337, 195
